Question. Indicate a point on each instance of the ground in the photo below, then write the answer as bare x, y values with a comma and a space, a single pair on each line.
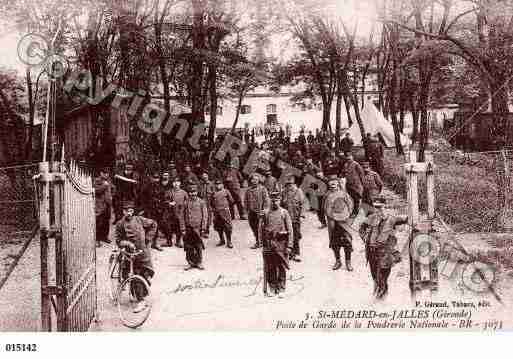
228, 294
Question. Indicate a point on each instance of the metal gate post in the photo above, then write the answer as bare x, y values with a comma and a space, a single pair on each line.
44, 227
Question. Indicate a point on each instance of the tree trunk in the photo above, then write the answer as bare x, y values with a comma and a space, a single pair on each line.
338, 116
348, 111
198, 43
499, 102
212, 80
239, 105
393, 109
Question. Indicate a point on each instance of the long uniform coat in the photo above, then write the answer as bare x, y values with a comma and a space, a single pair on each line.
196, 224
354, 174
102, 196
174, 209
277, 237
338, 206
205, 190
139, 231
221, 202
150, 200
372, 186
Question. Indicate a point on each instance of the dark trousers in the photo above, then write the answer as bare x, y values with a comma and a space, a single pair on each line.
237, 201
276, 273
320, 210
170, 227
347, 252
379, 272
254, 220
103, 225
356, 197
296, 228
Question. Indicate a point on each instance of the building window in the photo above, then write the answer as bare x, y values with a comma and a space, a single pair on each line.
271, 108
245, 109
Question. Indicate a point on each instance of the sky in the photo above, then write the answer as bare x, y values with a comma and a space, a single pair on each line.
348, 10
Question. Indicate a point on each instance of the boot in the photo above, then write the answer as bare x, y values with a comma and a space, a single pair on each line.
337, 265
229, 241
179, 243
348, 265
221, 240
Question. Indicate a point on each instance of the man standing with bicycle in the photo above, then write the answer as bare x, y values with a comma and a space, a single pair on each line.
135, 233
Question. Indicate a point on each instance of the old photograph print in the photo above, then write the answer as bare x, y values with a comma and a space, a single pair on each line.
256, 165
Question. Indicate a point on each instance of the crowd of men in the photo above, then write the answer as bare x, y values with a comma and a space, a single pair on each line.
193, 193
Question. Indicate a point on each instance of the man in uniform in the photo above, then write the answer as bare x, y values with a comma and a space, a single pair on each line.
331, 165
277, 236
220, 203
338, 207
292, 200
173, 221
103, 202
188, 175
149, 202
372, 185
233, 180
205, 190
380, 246
375, 154
125, 189
135, 232
256, 202
346, 144
271, 183
195, 229
354, 174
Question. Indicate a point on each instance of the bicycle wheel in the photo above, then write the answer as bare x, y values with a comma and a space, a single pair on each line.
114, 276
127, 304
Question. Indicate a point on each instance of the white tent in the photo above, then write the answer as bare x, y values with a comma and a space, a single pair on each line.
374, 122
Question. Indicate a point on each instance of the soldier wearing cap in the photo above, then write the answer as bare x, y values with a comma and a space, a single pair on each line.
220, 203
196, 222
135, 232
353, 174
205, 190
338, 206
233, 180
256, 202
103, 203
188, 175
173, 205
292, 200
372, 185
277, 236
380, 246
126, 189
271, 183
375, 153
150, 201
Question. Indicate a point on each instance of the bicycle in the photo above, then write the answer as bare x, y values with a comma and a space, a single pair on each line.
122, 281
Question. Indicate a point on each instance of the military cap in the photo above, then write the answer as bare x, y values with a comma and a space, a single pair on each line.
128, 204
365, 163
275, 194
333, 178
171, 165
192, 187
254, 175
290, 179
378, 204
218, 181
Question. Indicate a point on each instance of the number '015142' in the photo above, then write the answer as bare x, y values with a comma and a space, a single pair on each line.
20, 347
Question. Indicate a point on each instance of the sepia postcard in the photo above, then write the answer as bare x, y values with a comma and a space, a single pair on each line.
255, 165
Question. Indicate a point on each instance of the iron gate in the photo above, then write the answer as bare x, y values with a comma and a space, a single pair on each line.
67, 215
